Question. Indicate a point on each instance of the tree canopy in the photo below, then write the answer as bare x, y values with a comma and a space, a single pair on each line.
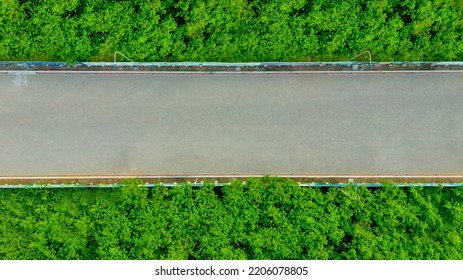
266, 218
231, 31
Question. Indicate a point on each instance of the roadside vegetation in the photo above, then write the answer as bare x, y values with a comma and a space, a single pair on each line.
267, 218
230, 31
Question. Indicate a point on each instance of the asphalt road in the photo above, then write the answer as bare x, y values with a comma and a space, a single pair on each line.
131, 124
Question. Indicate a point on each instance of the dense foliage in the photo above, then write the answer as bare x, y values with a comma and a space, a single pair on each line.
267, 218
231, 30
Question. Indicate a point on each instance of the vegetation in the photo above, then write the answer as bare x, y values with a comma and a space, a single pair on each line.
268, 218
226, 30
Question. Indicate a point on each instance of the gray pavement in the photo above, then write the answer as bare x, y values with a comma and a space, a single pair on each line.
137, 124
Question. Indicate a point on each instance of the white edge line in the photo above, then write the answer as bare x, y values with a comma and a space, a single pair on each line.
230, 176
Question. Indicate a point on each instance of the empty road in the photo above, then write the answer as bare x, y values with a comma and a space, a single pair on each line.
183, 123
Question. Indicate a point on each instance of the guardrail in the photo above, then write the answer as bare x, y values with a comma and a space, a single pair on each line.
231, 67
217, 184
305, 179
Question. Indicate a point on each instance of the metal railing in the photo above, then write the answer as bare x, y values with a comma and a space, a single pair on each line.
218, 184
115, 56
369, 55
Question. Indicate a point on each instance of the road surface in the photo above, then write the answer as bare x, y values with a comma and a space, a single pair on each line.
131, 124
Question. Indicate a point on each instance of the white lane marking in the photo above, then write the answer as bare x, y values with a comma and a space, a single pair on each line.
212, 72
154, 176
